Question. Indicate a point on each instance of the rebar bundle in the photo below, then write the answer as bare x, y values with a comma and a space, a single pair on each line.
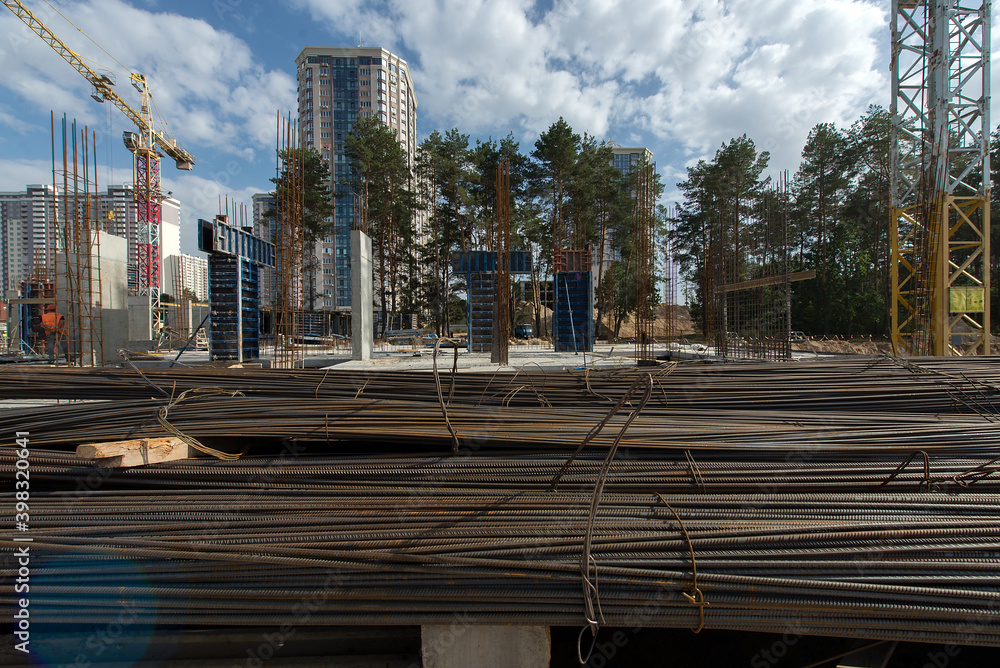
881, 384
856, 499
401, 541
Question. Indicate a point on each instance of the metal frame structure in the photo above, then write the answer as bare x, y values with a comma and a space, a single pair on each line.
482, 272
644, 225
940, 229
500, 351
234, 258
748, 281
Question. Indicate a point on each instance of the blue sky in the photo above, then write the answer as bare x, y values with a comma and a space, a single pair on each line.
678, 76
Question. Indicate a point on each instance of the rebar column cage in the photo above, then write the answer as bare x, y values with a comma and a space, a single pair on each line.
643, 216
290, 205
748, 281
500, 351
940, 177
78, 250
670, 309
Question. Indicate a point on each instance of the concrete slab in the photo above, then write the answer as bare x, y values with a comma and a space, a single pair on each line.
520, 357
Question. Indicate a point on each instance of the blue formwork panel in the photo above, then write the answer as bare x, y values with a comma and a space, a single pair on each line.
482, 289
220, 237
233, 284
479, 262
573, 319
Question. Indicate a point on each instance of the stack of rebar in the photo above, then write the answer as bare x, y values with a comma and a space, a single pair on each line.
404, 541
706, 502
969, 385
411, 425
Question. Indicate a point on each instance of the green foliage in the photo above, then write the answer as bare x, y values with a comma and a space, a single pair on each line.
310, 186
842, 220
443, 175
838, 223
718, 195
317, 220
381, 181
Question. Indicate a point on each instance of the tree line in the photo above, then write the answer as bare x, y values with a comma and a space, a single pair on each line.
566, 192
837, 216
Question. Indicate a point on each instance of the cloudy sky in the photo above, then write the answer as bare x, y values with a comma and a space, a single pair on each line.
678, 76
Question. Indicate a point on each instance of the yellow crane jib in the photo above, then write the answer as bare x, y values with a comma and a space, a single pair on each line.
103, 87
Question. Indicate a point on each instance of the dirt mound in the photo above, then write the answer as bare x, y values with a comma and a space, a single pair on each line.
844, 346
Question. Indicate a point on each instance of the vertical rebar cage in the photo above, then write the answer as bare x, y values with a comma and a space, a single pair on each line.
77, 258
940, 177
747, 279
290, 206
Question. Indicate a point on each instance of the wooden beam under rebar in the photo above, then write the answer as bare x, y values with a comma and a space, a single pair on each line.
770, 280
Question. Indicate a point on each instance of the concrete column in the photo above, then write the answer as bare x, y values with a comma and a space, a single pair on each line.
463, 644
362, 297
140, 324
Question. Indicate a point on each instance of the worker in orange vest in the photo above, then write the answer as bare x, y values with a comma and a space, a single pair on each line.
54, 326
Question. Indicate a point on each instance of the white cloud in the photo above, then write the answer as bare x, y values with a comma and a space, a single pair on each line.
27, 172
200, 197
206, 83
690, 72
16, 124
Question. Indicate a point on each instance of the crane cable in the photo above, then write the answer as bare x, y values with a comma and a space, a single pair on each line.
80, 30
127, 70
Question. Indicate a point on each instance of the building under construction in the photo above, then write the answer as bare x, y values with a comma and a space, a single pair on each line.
491, 503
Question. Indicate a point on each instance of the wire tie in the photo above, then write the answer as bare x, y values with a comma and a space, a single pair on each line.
696, 597
316, 393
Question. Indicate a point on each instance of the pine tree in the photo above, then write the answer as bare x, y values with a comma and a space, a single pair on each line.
382, 180
317, 215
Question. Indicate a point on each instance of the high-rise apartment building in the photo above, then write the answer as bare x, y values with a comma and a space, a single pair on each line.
28, 234
118, 215
28, 230
627, 158
185, 276
337, 86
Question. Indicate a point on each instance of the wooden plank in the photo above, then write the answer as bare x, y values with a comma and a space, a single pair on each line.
770, 280
134, 452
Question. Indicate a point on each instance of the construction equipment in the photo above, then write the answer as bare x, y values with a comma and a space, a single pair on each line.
940, 180
145, 146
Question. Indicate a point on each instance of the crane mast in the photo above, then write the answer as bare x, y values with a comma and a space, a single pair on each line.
940, 177
145, 145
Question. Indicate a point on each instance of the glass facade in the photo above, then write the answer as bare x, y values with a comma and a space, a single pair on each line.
340, 81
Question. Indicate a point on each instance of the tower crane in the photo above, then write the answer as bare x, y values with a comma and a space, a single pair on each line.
146, 146
940, 177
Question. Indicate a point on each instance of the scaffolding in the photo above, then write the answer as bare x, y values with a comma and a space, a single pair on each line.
940, 192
